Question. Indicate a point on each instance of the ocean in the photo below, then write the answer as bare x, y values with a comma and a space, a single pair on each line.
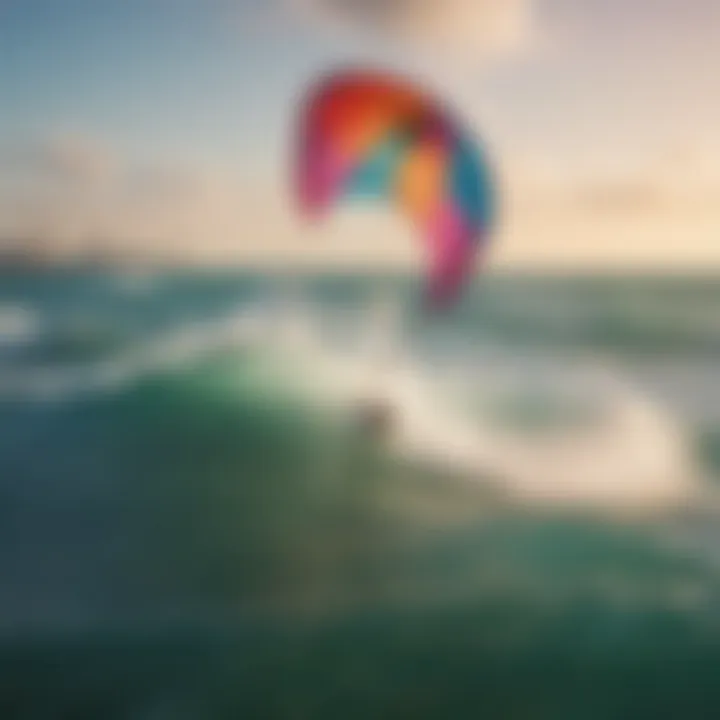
194, 523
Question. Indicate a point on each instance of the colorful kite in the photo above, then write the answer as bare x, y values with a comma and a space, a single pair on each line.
367, 134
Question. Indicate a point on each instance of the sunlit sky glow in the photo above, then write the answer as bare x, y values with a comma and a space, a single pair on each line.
163, 126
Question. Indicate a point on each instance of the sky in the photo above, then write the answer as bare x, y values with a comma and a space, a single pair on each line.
162, 128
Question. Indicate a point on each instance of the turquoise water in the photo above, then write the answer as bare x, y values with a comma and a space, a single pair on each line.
182, 537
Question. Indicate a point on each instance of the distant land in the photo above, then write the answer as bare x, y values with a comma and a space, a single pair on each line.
29, 255
33, 255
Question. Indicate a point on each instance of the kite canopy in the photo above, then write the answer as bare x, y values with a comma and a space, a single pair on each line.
368, 134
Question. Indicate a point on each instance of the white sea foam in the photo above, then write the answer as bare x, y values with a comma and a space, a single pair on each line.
18, 324
599, 440
617, 447
175, 350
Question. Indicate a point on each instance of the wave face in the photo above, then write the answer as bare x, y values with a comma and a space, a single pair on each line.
183, 471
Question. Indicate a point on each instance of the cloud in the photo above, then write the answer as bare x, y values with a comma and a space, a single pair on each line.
623, 198
67, 197
70, 158
72, 196
77, 157
473, 29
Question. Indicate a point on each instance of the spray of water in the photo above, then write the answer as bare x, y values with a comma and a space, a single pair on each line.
546, 433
